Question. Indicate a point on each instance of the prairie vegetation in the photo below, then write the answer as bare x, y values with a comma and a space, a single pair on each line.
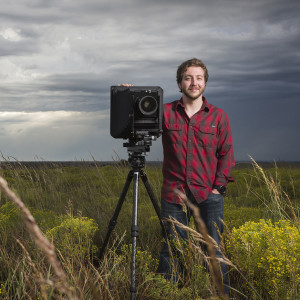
73, 205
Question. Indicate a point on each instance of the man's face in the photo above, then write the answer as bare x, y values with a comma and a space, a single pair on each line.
193, 83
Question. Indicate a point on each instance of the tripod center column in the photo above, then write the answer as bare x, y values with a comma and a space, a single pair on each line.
135, 204
134, 230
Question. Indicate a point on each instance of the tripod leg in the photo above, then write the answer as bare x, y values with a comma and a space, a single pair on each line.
153, 200
134, 231
157, 209
113, 220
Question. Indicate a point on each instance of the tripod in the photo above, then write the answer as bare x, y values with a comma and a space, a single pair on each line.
137, 161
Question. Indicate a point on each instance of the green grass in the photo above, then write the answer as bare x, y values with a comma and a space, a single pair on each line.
69, 200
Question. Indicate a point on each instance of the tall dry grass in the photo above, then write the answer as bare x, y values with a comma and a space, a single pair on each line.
276, 200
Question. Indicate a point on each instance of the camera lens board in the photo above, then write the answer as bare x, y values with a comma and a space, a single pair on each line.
148, 105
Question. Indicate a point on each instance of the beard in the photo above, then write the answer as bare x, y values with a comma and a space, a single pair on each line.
193, 95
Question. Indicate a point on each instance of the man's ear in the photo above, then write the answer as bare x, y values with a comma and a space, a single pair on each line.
179, 85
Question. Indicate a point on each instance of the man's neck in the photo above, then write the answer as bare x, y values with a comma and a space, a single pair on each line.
192, 106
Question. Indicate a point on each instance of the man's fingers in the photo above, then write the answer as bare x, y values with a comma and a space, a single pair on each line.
125, 84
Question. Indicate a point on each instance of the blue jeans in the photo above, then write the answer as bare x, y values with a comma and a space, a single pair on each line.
211, 211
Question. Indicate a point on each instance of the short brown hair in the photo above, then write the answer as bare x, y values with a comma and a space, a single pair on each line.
194, 62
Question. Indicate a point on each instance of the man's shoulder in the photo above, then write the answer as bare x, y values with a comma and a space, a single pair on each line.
170, 105
216, 109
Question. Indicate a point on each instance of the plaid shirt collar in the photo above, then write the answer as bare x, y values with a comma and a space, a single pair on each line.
205, 106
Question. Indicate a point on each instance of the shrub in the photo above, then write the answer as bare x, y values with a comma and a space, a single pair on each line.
11, 224
74, 237
151, 285
9, 216
3, 292
269, 254
47, 219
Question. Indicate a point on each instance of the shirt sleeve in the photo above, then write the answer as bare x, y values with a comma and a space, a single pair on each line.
224, 153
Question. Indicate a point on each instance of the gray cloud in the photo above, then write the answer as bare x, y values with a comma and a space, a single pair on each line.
64, 56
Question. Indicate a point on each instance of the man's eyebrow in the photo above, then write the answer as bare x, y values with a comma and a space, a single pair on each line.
195, 75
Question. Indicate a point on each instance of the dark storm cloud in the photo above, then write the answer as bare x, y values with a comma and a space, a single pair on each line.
65, 55
76, 92
86, 83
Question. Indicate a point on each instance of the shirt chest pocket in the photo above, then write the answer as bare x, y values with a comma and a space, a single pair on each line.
206, 136
174, 133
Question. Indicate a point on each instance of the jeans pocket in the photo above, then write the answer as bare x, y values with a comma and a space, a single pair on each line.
215, 197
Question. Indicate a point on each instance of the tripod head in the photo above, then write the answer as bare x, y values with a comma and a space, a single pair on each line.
137, 149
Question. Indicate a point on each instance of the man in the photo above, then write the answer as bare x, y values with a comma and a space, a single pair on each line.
198, 158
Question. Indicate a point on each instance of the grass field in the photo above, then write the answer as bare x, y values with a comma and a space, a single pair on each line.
73, 204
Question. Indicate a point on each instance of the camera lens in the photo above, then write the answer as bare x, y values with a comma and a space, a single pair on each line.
148, 105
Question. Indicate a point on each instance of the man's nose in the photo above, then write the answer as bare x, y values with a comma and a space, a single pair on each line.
194, 81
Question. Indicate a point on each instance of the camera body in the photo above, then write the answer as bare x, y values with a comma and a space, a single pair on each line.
136, 112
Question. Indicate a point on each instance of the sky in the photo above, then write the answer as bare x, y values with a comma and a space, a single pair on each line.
59, 58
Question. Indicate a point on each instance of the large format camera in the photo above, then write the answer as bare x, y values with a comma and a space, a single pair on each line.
136, 112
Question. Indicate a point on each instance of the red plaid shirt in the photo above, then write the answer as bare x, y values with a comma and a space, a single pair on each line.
198, 151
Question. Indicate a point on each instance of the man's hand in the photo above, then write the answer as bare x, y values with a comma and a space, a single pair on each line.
215, 191
125, 84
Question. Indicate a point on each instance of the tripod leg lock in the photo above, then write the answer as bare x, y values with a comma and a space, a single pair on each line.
112, 224
134, 230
